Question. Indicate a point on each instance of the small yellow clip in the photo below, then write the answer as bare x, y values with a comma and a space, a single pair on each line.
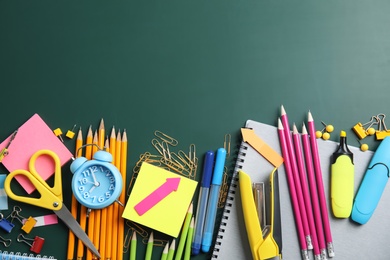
361, 131
382, 133
29, 224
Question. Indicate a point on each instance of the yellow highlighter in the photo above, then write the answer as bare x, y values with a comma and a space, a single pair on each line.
342, 179
264, 244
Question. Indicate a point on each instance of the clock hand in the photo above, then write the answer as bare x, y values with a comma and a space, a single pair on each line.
92, 188
96, 183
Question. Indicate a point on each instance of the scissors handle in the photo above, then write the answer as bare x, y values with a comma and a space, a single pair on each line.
46, 200
51, 197
57, 187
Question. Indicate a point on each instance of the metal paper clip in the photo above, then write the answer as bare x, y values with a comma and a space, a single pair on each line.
164, 137
226, 144
5, 241
5, 224
36, 244
382, 129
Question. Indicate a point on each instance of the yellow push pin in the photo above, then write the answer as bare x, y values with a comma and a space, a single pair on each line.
326, 135
70, 134
363, 147
58, 133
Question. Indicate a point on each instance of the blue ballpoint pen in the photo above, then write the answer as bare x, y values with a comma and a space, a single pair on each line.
213, 200
202, 201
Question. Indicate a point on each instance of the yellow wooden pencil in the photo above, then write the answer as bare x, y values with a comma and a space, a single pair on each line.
110, 209
91, 217
121, 226
96, 234
103, 220
83, 212
71, 238
116, 205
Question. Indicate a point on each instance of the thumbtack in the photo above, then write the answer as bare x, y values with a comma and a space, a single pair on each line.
58, 133
363, 147
326, 135
70, 134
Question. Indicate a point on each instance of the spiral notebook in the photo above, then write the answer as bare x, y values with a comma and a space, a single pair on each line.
350, 240
19, 256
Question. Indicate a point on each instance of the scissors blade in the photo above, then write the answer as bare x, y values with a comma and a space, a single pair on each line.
73, 225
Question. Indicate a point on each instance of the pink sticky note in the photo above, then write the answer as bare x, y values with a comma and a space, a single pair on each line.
32, 136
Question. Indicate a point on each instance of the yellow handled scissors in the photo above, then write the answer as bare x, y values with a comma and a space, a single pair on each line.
51, 197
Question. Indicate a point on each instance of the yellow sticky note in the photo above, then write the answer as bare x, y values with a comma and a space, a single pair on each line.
160, 199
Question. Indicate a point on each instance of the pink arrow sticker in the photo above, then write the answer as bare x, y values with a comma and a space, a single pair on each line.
157, 195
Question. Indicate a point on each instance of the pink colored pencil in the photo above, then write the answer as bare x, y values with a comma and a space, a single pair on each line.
293, 193
295, 174
320, 185
313, 191
305, 190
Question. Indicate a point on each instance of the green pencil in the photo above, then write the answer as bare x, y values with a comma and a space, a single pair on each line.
183, 236
165, 252
133, 246
171, 250
149, 247
187, 252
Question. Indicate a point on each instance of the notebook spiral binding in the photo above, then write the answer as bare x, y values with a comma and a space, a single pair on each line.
4, 255
230, 197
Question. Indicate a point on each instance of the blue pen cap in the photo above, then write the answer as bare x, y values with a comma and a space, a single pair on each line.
218, 167
207, 168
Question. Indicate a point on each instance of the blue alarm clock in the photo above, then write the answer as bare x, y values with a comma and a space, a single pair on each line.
96, 183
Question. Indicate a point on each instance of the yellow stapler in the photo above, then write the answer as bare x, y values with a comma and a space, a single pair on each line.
266, 243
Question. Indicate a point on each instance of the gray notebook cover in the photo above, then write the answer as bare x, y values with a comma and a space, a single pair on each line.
350, 240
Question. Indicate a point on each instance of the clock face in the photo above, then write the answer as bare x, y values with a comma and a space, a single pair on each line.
96, 186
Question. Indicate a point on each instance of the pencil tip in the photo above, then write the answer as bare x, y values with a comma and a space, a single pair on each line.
295, 130
309, 116
283, 111
280, 125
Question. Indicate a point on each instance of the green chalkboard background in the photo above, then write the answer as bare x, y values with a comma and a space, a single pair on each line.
195, 70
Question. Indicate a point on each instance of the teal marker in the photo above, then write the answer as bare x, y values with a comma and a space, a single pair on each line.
342, 179
212, 206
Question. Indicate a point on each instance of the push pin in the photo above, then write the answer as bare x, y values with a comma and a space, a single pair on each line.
70, 134
326, 135
58, 133
363, 147
36, 244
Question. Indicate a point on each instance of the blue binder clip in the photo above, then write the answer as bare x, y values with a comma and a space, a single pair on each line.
6, 225
373, 184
